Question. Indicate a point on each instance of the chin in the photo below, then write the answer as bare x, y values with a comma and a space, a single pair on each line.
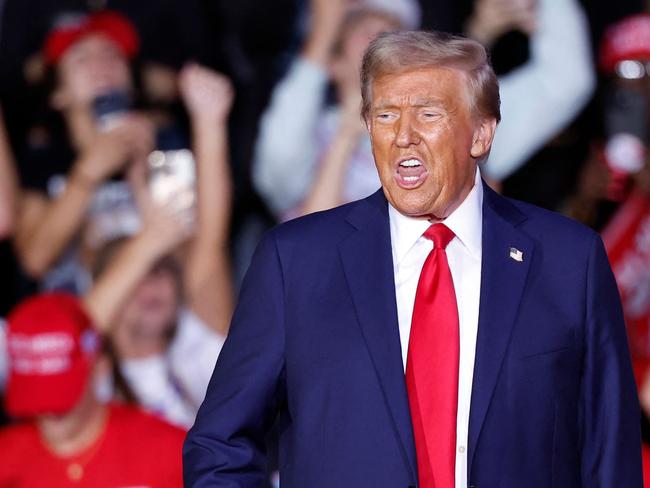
156, 325
411, 204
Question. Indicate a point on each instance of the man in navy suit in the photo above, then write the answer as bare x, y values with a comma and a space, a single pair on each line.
334, 311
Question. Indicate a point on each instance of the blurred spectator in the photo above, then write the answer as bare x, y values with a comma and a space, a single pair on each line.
549, 176
167, 317
311, 157
616, 177
8, 208
541, 97
77, 194
171, 32
68, 437
67, 176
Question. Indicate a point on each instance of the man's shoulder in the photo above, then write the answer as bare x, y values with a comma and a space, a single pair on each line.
330, 225
548, 226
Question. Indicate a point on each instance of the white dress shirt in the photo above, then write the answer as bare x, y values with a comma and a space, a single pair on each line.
410, 250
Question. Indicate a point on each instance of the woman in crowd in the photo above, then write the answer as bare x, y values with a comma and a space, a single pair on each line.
166, 310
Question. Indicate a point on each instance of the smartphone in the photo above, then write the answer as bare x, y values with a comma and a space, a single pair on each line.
109, 107
172, 179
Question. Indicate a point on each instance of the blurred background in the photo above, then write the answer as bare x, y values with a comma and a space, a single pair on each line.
146, 146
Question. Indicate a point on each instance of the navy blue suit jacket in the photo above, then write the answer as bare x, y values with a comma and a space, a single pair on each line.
315, 338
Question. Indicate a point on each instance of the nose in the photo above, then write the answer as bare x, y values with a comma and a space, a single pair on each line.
406, 133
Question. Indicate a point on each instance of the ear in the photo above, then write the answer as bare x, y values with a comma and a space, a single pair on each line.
483, 135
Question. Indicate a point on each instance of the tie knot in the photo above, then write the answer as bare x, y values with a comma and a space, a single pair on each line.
440, 234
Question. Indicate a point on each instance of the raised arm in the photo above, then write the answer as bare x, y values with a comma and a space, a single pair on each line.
490, 19
208, 97
46, 226
285, 151
162, 231
541, 97
327, 189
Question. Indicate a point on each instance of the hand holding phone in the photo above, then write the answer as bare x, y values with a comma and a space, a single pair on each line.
172, 180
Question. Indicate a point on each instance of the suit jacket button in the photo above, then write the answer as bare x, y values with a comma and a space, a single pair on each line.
472, 485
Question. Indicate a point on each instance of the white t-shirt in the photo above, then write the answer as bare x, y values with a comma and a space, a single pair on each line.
173, 384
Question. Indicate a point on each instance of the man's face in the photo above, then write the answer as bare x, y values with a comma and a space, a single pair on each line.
425, 140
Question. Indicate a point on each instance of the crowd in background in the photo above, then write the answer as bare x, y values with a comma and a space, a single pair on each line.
146, 146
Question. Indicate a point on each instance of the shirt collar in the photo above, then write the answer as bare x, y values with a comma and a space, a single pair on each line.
466, 222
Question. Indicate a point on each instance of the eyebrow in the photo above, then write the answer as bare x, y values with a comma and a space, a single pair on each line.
418, 103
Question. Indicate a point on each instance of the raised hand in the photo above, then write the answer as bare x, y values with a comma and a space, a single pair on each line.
326, 19
492, 18
207, 95
131, 138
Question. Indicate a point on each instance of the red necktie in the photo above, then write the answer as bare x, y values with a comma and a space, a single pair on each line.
432, 366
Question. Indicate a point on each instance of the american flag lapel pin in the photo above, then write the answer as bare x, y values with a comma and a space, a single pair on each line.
516, 254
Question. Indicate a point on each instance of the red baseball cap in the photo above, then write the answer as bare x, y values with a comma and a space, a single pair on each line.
51, 346
71, 28
627, 39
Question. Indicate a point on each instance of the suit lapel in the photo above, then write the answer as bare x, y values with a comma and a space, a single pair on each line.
368, 263
502, 282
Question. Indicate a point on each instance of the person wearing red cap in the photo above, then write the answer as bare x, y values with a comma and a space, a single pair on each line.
110, 24
68, 176
68, 438
90, 56
159, 308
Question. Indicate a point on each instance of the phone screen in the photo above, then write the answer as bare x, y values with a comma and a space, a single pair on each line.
172, 178
109, 107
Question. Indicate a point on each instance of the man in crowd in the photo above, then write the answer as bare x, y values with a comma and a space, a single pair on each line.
70, 439
434, 333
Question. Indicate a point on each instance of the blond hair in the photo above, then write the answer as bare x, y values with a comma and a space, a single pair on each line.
396, 52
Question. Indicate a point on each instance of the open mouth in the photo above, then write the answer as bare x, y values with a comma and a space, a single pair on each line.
410, 173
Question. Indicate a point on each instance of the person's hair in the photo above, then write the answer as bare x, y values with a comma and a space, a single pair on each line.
396, 52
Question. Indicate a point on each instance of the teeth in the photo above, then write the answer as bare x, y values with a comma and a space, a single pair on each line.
410, 163
410, 178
